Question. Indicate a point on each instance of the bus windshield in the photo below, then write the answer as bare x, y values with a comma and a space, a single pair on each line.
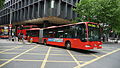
94, 32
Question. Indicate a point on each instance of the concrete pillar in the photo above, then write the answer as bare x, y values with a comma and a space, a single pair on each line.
59, 7
44, 8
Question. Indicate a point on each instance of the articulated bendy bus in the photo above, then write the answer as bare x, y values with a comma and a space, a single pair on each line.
83, 35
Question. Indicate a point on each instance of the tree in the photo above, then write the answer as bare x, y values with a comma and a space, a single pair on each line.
100, 11
1, 3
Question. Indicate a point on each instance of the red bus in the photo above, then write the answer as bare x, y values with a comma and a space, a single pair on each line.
23, 29
4, 32
83, 35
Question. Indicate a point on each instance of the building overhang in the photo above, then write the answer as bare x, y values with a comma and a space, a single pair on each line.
50, 19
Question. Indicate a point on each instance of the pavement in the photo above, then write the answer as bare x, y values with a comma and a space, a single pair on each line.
32, 55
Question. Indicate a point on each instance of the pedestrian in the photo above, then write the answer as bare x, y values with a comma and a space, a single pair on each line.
13, 37
10, 38
22, 38
19, 38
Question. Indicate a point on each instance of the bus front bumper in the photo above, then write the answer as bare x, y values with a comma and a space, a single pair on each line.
88, 47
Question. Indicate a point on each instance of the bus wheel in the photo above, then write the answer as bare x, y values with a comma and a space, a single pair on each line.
45, 42
68, 45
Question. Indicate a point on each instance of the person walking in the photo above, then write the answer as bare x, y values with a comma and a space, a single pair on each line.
19, 37
22, 38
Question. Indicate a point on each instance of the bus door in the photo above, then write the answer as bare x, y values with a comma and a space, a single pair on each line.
40, 35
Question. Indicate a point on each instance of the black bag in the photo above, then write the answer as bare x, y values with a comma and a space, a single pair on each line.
12, 39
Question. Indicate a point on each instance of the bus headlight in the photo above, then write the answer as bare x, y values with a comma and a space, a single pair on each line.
100, 45
87, 45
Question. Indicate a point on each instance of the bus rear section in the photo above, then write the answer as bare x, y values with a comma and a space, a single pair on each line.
83, 35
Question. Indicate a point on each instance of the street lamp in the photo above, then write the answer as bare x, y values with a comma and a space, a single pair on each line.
10, 24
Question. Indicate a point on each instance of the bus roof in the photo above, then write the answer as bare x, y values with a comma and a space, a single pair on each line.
34, 29
68, 25
61, 26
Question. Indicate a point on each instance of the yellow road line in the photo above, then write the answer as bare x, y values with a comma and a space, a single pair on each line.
91, 61
20, 49
20, 60
57, 54
9, 53
46, 57
10, 49
6, 46
56, 50
3, 59
94, 55
34, 53
17, 56
25, 53
104, 51
45, 54
107, 49
73, 58
64, 61
4, 49
110, 47
26, 60
38, 60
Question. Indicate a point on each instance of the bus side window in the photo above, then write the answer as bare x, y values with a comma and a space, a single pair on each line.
60, 33
51, 34
45, 33
81, 31
61, 36
66, 35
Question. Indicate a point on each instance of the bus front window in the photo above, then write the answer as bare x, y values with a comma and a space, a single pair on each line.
93, 32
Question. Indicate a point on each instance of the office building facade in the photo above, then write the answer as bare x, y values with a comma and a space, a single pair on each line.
22, 10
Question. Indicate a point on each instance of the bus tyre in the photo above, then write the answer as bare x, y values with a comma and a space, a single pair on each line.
68, 45
45, 42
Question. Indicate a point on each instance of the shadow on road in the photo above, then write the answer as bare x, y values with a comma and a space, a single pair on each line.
76, 50
84, 51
